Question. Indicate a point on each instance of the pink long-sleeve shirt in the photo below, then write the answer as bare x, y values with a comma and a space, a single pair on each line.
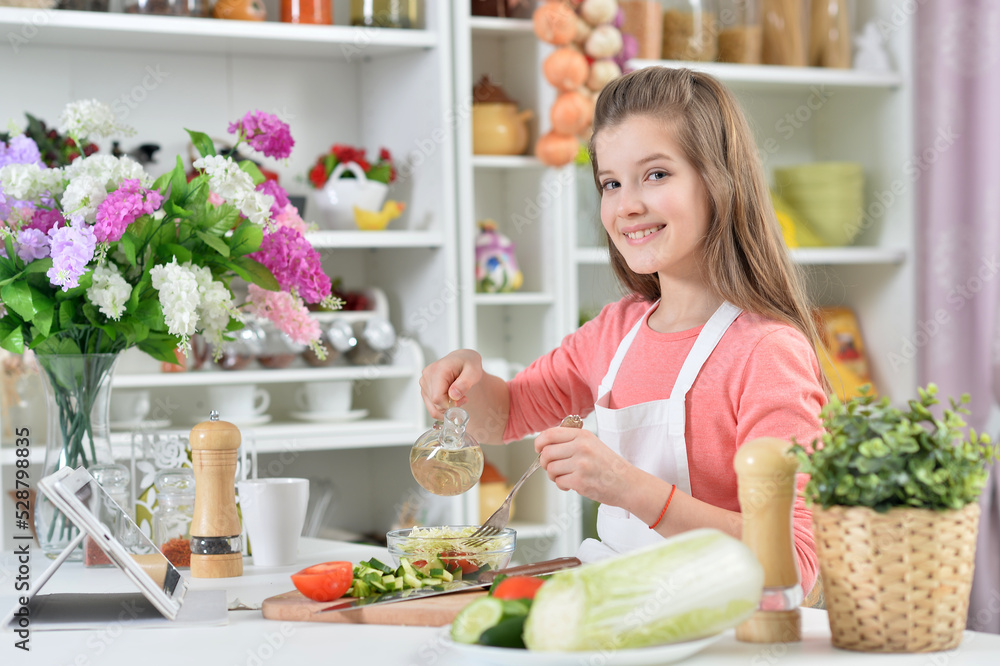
762, 380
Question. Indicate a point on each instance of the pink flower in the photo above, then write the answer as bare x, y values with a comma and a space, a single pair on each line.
294, 263
122, 207
265, 133
43, 220
287, 312
289, 217
215, 199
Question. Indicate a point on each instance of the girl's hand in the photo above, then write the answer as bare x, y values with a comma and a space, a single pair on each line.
577, 460
450, 378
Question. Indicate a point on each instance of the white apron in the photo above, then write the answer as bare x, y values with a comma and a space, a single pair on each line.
649, 435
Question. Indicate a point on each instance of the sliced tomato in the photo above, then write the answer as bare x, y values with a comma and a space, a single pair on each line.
324, 582
455, 560
517, 587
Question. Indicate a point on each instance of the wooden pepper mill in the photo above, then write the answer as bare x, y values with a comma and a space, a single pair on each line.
766, 474
216, 544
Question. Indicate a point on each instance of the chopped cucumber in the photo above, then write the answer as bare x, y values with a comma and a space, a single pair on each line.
412, 581
508, 633
376, 564
476, 618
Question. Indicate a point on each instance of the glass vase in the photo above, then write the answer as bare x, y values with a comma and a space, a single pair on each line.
78, 399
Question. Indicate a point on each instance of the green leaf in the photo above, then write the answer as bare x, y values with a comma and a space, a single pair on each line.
254, 171
160, 346
380, 172
8, 245
24, 299
11, 336
161, 182
43, 319
178, 182
221, 219
172, 209
150, 313
202, 143
254, 271
38, 266
246, 239
67, 312
182, 254
214, 242
127, 245
58, 345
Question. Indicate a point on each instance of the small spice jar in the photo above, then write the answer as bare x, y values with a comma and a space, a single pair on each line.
173, 515
740, 31
114, 479
690, 30
316, 12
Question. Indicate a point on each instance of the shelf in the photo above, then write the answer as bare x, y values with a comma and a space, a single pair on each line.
491, 26
514, 299
292, 436
506, 162
61, 28
777, 78
339, 240
222, 377
804, 256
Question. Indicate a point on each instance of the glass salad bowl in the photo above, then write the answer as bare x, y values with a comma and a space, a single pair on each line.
448, 543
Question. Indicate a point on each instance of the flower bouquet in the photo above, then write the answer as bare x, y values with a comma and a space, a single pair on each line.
347, 182
98, 256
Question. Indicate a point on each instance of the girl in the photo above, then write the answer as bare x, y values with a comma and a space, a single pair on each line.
713, 346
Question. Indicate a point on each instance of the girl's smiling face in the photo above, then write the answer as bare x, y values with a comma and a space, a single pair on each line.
654, 204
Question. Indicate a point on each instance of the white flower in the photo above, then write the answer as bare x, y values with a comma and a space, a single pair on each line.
216, 309
89, 118
256, 206
28, 182
179, 299
109, 291
225, 177
109, 170
82, 197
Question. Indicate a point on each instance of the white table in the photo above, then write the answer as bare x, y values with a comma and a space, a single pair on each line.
250, 640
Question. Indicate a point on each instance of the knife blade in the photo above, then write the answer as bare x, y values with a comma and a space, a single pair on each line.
484, 580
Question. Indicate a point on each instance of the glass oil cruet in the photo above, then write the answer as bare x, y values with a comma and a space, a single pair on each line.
446, 460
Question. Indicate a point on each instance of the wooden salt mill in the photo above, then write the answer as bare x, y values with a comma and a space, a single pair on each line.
766, 474
216, 544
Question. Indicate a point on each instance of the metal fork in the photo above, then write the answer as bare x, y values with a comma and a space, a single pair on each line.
495, 523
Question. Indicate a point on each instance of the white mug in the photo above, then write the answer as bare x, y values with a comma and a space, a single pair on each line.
274, 511
236, 402
129, 406
332, 397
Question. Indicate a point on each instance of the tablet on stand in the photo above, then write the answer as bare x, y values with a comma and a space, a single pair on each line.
164, 597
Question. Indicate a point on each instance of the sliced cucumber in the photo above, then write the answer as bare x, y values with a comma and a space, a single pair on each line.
476, 618
508, 633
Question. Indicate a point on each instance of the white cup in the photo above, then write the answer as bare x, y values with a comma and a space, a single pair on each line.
325, 397
274, 511
236, 402
129, 406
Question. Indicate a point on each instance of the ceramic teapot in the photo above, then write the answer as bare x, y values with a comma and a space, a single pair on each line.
498, 128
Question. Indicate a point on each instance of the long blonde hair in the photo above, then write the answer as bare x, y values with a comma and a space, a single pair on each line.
746, 261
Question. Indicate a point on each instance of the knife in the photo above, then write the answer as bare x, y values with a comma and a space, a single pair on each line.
485, 579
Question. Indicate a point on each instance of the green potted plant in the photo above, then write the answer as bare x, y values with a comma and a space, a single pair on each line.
895, 515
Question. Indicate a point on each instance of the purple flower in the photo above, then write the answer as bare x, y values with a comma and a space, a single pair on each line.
278, 192
21, 150
72, 248
43, 220
265, 133
122, 207
294, 263
32, 244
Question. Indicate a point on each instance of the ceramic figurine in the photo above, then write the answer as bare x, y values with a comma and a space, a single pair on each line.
496, 265
870, 53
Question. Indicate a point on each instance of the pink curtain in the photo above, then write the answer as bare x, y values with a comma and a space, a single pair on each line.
958, 215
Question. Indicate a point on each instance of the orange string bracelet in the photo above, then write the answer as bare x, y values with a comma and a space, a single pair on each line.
673, 488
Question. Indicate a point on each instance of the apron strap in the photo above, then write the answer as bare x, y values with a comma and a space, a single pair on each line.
616, 362
703, 347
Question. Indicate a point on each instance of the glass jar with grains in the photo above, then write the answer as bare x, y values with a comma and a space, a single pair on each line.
690, 30
740, 31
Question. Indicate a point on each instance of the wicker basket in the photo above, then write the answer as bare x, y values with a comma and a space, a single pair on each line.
896, 581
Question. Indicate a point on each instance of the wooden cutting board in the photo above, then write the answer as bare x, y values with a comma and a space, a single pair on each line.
430, 612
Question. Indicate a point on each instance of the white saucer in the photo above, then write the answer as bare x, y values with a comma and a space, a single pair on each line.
151, 424
325, 417
243, 422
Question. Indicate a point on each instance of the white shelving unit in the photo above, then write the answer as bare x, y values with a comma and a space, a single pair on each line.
333, 84
804, 114
528, 202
